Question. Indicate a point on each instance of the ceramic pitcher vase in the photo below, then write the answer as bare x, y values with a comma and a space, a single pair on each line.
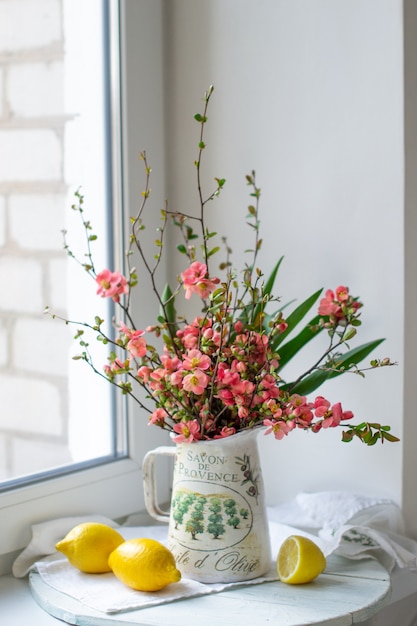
218, 529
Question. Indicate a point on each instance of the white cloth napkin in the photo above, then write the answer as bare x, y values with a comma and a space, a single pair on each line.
105, 593
339, 522
352, 526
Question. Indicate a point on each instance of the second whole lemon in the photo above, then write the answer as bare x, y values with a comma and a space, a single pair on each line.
88, 546
144, 564
299, 560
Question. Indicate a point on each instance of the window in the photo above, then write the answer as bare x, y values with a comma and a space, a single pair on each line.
114, 489
55, 136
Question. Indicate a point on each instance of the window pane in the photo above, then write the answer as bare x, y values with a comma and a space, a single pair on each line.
54, 138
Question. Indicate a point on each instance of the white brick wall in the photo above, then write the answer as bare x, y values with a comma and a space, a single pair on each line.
29, 155
36, 89
26, 24
34, 350
34, 406
3, 457
43, 217
2, 221
48, 454
1, 91
4, 344
25, 281
41, 346
57, 285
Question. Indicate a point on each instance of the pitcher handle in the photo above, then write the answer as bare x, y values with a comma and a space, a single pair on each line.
149, 482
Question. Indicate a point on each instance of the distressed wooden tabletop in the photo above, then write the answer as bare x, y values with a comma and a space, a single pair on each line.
348, 592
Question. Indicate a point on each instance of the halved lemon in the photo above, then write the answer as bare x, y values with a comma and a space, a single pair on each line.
299, 560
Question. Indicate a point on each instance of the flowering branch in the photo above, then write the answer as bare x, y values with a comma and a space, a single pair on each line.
222, 372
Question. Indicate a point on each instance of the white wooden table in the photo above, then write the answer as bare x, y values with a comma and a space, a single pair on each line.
348, 592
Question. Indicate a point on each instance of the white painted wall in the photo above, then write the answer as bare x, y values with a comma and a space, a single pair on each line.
310, 95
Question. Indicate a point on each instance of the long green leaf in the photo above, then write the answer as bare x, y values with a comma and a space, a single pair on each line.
297, 315
168, 312
290, 349
314, 380
267, 289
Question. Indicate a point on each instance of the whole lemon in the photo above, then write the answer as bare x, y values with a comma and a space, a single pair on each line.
88, 546
144, 565
299, 560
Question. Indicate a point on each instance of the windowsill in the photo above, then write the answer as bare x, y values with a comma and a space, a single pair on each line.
19, 607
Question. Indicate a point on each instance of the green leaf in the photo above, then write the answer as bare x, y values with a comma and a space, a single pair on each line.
347, 435
295, 318
269, 285
290, 349
213, 251
181, 248
349, 334
388, 436
170, 314
313, 381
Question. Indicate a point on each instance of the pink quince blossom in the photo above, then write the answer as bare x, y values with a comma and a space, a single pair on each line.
137, 344
170, 363
321, 406
196, 382
274, 408
342, 293
187, 432
336, 415
158, 417
279, 428
176, 378
226, 431
328, 307
336, 304
144, 372
195, 280
111, 285
195, 359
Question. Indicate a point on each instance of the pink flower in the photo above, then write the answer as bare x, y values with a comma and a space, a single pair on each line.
274, 408
111, 285
176, 378
137, 344
328, 307
192, 275
195, 382
338, 305
204, 287
342, 293
195, 280
226, 431
321, 406
158, 417
144, 373
336, 415
195, 359
227, 397
279, 428
170, 363
187, 432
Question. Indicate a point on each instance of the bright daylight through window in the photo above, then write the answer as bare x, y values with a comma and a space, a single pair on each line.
54, 139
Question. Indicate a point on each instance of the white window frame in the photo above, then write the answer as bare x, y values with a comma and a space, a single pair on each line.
113, 489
